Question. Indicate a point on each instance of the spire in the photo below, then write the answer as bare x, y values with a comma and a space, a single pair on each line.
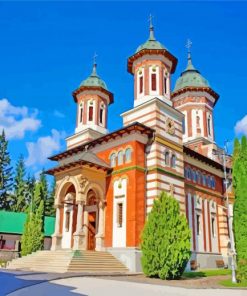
94, 73
151, 28
189, 64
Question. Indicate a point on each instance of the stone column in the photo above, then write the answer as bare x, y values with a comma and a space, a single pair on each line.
100, 235
57, 236
79, 235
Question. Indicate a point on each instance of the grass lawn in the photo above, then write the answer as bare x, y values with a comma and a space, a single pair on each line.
228, 283
206, 273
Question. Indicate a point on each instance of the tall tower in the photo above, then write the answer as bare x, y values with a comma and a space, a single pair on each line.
92, 99
194, 97
152, 65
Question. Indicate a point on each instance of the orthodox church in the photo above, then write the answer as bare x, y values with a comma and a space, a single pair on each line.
106, 183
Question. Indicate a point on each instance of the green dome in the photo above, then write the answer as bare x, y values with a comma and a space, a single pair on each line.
151, 43
190, 77
94, 80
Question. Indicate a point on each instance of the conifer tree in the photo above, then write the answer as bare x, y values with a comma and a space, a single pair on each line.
49, 206
165, 240
19, 202
29, 193
6, 180
240, 206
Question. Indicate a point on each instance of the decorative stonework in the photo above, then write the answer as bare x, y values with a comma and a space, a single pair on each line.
83, 181
170, 126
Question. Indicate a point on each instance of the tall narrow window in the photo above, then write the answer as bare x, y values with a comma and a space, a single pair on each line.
141, 84
183, 126
213, 226
90, 113
81, 113
101, 114
209, 125
120, 158
198, 224
113, 160
153, 81
173, 161
167, 156
165, 86
128, 155
120, 214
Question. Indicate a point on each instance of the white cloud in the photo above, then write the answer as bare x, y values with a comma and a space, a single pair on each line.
16, 121
58, 114
39, 151
241, 126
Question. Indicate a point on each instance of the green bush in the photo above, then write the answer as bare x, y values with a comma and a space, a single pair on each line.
165, 240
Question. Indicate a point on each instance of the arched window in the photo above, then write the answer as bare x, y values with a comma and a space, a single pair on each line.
186, 173
120, 158
189, 174
199, 178
101, 113
173, 161
90, 113
113, 160
167, 157
209, 125
128, 153
204, 180
140, 84
193, 176
81, 113
153, 81
213, 183
209, 182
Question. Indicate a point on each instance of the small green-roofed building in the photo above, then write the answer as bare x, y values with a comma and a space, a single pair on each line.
12, 227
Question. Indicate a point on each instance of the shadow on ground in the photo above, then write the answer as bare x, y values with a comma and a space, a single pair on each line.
17, 283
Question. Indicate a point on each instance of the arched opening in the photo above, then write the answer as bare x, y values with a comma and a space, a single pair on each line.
68, 215
91, 218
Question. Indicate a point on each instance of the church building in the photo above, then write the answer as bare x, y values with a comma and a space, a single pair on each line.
106, 182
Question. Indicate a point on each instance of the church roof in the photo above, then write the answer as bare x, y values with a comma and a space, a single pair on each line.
190, 77
151, 43
94, 79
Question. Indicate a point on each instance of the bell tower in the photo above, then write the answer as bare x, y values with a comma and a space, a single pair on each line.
92, 99
152, 66
194, 97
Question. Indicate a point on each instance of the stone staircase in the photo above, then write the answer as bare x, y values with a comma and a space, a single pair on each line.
61, 261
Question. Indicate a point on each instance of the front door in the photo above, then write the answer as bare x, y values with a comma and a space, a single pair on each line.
91, 230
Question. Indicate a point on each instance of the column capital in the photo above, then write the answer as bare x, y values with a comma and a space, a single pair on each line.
81, 202
102, 204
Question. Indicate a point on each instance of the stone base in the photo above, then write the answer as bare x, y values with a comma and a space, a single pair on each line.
79, 241
206, 260
99, 242
56, 242
130, 257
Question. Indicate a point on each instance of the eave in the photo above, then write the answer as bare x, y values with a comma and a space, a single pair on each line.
95, 88
136, 126
194, 88
144, 51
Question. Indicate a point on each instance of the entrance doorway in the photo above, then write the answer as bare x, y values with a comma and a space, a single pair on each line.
91, 230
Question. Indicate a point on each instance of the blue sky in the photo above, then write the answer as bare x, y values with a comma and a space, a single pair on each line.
46, 50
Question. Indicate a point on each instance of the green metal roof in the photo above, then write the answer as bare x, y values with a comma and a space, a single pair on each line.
190, 77
94, 80
151, 43
12, 222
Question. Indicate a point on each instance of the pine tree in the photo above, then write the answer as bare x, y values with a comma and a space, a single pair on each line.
29, 192
240, 206
19, 203
6, 180
49, 205
26, 238
165, 240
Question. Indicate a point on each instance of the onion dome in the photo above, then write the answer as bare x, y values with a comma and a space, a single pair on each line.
190, 77
151, 43
94, 79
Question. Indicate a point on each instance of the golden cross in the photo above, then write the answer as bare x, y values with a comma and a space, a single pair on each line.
94, 58
188, 44
150, 19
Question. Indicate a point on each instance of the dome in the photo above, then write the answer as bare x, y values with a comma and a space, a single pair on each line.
151, 43
190, 77
94, 80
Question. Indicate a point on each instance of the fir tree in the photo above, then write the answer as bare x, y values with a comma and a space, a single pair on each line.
240, 207
165, 240
19, 203
49, 205
6, 180
29, 193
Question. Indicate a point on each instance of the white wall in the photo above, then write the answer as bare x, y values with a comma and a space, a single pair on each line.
66, 240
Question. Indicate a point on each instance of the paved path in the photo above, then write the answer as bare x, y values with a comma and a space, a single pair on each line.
98, 287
